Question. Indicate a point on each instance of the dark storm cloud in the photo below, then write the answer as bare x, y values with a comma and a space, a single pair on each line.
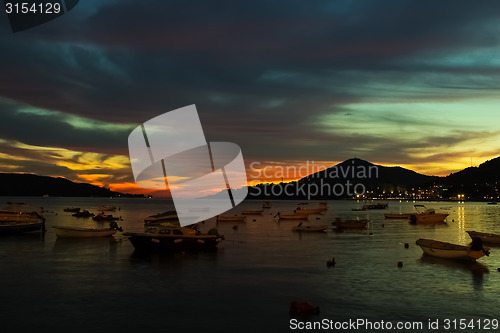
261, 73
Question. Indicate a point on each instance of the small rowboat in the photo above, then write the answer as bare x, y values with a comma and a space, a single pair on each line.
106, 208
310, 228
397, 216
231, 218
453, 251
485, 237
74, 232
291, 217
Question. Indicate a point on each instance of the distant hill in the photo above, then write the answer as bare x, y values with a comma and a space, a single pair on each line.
33, 185
334, 182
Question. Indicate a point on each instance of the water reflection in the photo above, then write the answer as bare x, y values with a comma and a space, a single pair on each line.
476, 269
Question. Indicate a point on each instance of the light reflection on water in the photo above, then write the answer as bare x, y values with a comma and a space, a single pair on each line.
101, 284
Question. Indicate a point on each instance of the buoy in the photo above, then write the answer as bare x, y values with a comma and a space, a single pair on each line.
254, 220
407, 245
303, 308
371, 233
453, 220
400, 264
235, 227
318, 218
330, 262
498, 269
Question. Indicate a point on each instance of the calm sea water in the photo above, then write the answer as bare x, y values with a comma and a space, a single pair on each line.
100, 285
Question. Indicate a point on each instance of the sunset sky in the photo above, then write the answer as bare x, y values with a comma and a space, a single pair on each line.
409, 83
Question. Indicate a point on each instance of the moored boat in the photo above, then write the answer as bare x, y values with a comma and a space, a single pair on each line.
103, 217
266, 204
76, 232
453, 251
291, 216
485, 237
427, 216
20, 218
304, 210
169, 237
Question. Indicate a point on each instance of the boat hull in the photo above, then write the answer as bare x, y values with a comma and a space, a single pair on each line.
11, 229
147, 243
485, 237
69, 232
449, 251
428, 218
312, 228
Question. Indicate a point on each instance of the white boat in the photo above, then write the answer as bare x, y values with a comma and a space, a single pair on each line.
231, 218
75, 232
310, 228
485, 237
252, 212
266, 204
453, 251
20, 218
427, 216
106, 208
350, 224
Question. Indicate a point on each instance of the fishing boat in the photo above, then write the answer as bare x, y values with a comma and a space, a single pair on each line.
304, 210
103, 217
75, 232
84, 213
169, 216
20, 218
169, 237
397, 216
310, 228
445, 250
231, 218
71, 209
252, 212
485, 237
350, 224
427, 215
266, 204
106, 208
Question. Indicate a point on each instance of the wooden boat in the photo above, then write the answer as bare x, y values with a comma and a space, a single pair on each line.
103, 217
291, 217
231, 218
84, 213
168, 237
397, 216
453, 251
20, 218
485, 237
266, 204
106, 208
75, 232
169, 216
252, 212
310, 228
350, 224
71, 209
427, 216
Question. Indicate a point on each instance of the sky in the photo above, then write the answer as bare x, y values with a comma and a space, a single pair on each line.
408, 83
